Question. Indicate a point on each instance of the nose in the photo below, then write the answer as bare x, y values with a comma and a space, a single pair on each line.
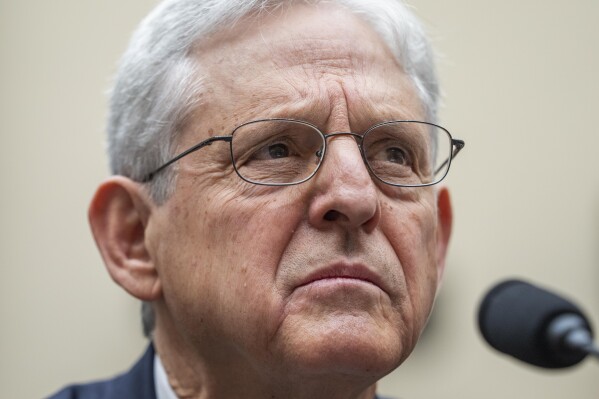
344, 192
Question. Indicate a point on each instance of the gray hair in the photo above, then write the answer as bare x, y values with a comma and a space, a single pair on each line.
158, 81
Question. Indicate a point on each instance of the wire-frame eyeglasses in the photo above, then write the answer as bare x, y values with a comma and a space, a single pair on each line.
282, 152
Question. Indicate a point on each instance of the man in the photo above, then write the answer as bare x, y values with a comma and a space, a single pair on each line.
278, 255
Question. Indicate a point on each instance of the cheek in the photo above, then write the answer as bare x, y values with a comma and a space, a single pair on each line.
411, 230
223, 258
250, 232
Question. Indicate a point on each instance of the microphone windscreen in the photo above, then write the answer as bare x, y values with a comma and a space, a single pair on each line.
514, 318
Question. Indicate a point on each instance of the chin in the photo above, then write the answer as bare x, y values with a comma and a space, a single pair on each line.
349, 346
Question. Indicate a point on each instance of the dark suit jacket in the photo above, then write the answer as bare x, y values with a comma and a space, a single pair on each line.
137, 383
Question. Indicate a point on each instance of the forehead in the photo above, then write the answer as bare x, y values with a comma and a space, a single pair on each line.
288, 32
300, 59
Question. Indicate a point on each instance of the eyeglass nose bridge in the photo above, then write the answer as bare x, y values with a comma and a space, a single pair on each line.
358, 137
355, 135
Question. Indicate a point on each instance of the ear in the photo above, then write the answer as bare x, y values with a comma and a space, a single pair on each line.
118, 215
444, 223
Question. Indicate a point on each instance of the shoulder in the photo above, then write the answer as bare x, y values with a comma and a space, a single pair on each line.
95, 390
137, 383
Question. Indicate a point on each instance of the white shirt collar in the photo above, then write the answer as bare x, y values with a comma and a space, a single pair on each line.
161, 384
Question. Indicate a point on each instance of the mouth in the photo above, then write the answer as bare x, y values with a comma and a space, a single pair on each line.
343, 273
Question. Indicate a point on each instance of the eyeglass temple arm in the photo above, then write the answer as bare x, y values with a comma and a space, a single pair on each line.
457, 147
196, 147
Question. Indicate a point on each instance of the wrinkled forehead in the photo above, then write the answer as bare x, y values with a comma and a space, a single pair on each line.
311, 36
313, 57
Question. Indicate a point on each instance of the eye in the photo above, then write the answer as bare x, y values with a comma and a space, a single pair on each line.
391, 152
278, 150
272, 151
396, 155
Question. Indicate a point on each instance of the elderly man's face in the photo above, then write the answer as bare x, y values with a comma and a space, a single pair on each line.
337, 274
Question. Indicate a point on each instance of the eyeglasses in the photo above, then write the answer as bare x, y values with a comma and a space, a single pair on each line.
283, 152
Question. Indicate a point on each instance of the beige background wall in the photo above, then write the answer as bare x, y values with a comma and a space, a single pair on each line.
521, 87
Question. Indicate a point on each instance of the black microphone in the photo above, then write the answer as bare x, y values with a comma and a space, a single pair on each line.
535, 325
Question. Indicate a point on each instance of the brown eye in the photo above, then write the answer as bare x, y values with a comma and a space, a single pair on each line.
396, 155
278, 150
